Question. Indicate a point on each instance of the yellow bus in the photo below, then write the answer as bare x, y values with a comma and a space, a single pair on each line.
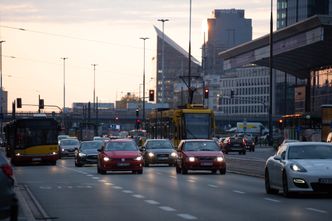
32, 139
191, 122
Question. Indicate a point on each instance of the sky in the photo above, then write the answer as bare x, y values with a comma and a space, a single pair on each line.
39, 33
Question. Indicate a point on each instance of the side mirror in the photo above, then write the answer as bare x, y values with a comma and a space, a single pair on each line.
99, 150
277, 158
142, 148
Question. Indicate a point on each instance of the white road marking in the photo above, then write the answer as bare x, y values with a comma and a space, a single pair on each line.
69, 187
213, 186
186, 216
167, 208
152, 202
59, 187
272, 200
238, 191
174, 177
138, 196
96, 178
191, 180
45, 187
117, 187
127, 191
108, 183
316, 210
89, 175
102, 181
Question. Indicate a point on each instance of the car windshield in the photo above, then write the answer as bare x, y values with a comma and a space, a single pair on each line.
121, 146
90, 145
314, 151
201, 146
69, 142
159, 144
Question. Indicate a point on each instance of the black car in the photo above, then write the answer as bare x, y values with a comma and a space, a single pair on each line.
234, 144
8, 200
87, 153
250, 142
158, 151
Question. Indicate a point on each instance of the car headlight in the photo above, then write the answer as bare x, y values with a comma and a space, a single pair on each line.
173, 154
81, 154
139, 158
151, 154
191, 159
18, 154
297, 168
62, 149
220, 159
106, 159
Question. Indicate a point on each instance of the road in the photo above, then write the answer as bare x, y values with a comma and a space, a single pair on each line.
64, 192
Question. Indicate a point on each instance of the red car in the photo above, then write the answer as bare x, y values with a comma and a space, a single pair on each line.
120, 155
200, 154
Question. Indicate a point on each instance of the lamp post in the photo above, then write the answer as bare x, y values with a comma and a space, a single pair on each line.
162, 63
143, 115
271, 79
190, 97
1, 90
94, 85
64, 83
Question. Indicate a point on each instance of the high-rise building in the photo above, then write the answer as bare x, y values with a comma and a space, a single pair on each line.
292, 11
176, 68
226, 29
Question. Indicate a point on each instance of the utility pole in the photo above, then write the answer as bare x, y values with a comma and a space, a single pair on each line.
271, 78
163, 62
143, 118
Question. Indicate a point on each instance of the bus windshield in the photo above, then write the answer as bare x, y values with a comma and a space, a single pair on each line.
197, 126
34, 136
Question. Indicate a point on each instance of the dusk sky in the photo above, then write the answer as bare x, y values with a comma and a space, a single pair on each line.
37, 33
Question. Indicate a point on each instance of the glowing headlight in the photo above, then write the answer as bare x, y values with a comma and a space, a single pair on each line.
139, 158
220, 159
81, 154
297, 168
106, 159
18, 154
151, 154
191, 159
54, 153
63, 149
173, 154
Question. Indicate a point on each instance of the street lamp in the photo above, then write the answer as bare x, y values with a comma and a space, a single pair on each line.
162, 63
143, 118
1, 89
190, 97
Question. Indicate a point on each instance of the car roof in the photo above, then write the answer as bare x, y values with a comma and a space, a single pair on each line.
306, 143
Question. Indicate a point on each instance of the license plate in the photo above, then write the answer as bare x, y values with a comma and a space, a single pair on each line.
123, 164
36, 159
206, 164
325, 180
162, 158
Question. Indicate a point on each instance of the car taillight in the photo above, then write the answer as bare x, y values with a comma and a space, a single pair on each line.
7, 169
244, 141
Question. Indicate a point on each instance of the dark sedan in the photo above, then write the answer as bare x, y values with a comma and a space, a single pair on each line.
158, 151
120, 155
234, 144
87, 153
200, 155
8, 201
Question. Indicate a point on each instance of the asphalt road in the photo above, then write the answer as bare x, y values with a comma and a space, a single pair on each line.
64, 192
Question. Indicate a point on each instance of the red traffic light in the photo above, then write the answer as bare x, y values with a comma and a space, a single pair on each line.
151, 95
206, 92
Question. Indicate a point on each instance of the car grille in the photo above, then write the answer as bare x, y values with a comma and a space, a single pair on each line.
206, 158
162, 155
120, 159
92, 157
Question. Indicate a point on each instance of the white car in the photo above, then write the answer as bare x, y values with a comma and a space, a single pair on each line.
300, 167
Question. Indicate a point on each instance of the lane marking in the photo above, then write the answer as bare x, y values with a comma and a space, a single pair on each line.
272, 200
213, 186
108, 183
174, 177
127, 191
117, 187
238, 191
138, 196
89, 175
96, 178
167, 208
191, 181
103, 181
316, 210
45, 187
152, 202
186, 216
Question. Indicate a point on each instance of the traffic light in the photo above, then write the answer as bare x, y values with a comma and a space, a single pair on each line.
280, 123
41, 103
206, 92
19, 102
137, 113
151, 95
138, 122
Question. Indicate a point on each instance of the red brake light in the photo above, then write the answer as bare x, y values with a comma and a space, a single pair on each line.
7, 169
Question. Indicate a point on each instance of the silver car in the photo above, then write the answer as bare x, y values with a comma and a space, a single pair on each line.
300, 167
68, 146
8, 200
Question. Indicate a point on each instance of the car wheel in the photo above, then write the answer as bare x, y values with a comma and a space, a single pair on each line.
140, 171
77, 164
14, 211
268, 188
100, 171
285, 189
222, 171
184, 170
213, 171
146, 164
244, 152
53, 163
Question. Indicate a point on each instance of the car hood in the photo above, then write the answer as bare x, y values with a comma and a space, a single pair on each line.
69, 146
90, 151
122, 154
203, 153
317, 165
160, 150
